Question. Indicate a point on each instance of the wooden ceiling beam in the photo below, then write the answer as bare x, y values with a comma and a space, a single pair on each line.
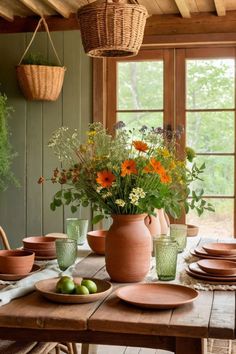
6, 13
197, 24
28, 24
220, 7
183, 8
156, 25
61, 7
39, 8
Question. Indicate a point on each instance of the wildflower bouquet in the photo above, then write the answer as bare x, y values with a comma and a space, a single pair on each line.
133, 172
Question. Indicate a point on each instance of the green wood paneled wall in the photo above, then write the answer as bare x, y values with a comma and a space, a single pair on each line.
25, 211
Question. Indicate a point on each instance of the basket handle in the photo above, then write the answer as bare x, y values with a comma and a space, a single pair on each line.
42, 20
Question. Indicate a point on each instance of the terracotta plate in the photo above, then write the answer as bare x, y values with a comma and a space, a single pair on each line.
218, 266
205, 255
220, 248
194, 271
156, 295
48, 289
36, 268
194, 267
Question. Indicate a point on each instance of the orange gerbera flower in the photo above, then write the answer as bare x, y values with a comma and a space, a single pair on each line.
140, 145
128, 167
165, 178
157, 166
148, 169
105, 178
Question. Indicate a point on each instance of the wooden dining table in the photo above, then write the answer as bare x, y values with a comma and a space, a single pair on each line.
112, 321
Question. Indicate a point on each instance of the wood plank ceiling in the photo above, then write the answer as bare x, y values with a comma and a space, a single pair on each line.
9, 9
218, 15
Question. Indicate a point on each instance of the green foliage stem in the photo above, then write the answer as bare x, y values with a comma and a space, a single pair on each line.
6, 151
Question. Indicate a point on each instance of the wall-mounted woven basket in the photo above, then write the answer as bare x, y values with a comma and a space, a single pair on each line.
40, 82
111, 28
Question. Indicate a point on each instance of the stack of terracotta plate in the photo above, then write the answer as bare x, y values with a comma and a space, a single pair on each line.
43, 247
216, 250
218, 263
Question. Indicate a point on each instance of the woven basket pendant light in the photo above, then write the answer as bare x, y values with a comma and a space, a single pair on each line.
111, 28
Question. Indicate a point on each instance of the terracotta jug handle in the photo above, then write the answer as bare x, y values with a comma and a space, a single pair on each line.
148, 220
167, 219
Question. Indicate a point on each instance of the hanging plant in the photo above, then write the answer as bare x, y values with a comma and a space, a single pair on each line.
39, 79
6, 151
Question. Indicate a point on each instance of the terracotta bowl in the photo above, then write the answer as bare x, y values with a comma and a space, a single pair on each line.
42, 253
96, 241
16, 261
192, 230
39, 243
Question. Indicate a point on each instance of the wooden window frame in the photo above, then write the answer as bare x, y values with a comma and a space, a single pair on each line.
105, 88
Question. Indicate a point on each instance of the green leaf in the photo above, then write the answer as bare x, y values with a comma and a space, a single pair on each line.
97, 218
73, 208
57, 202
85, 203
58, 194
52, 206
67, 195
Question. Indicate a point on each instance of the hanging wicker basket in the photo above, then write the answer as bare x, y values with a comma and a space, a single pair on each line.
110, 28
40, 82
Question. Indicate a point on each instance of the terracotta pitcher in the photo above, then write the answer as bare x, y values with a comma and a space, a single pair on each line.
159, 224
128, 248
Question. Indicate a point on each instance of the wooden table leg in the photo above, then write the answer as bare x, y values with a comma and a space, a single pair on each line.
188, 345
204, 346
85, 348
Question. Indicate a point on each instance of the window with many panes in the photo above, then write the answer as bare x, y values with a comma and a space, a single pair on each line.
193, 89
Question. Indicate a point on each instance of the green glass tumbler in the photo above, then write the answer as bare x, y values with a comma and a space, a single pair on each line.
77, 229
66, 251
166, 251
178, 232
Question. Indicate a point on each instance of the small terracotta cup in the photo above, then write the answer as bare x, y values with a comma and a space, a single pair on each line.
96, 241
192, 230
18, 262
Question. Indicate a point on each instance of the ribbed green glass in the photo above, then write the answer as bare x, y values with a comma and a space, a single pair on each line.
166, 252
77, 229
66, 251
178, 232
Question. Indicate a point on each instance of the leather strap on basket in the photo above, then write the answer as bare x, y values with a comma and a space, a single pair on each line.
42, 20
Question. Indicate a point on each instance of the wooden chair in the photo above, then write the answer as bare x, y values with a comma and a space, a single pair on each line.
12, 347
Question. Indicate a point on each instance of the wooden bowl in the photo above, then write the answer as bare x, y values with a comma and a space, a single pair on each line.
39, 243
192, 230
96, 241
16, 261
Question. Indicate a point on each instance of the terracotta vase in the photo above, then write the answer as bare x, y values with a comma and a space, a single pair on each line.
128, 248
159, 224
